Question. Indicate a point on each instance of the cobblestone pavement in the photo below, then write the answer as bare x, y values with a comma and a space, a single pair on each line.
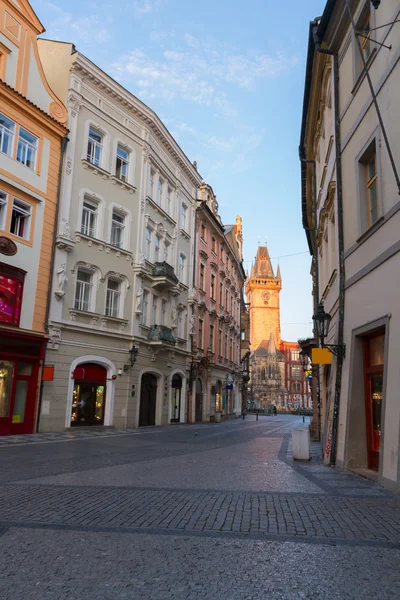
190, 512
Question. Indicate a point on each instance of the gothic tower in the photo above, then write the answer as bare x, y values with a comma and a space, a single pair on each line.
262, 291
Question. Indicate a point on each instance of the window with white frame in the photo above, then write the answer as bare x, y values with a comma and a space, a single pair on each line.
163, 311
154, 311
7, 129
3, 209
122, 164
95, 147
117, 229
90, 211
295, 355
182, 267
183, 216
113, 298
159, 192
156, 249
20, 219
147, 247
83, 292
145, 305
151, 183
27, 148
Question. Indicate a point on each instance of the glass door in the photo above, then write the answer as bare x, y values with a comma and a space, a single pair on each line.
88, 403
24, 397
373, 381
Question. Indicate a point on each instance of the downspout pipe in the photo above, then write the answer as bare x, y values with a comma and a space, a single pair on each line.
64, 143
340, 230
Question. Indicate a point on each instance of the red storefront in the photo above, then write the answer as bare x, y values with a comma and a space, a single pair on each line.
21, 356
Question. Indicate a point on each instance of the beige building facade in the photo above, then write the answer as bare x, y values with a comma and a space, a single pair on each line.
352, 219
119, 334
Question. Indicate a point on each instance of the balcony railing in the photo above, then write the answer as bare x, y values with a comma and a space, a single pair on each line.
161, 333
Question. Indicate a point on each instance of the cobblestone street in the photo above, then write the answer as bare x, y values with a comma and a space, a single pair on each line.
190, 512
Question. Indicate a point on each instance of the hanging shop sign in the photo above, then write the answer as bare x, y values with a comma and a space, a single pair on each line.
321, 356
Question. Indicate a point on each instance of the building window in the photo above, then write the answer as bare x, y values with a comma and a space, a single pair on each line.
212, 287
203, 234
27, 148
182, 268
117, 229
221, 294
156, 249
243, 335
122, 164
295, 355
113, 298
11, 292
183, 216
159, 192
169, 200
372, 189
7, 129
83, 294
201, 282
147, 248
151, 183
366, 37
20, 219
213, 245
220, 342
230, 349
226, 299
211, 338
296, 372
180, 325
163, 311
95, 147
89, 218
201, 330
155, 306
143, 318
3, 209
226, 346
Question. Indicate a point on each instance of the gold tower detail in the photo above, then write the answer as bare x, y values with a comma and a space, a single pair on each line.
262, 291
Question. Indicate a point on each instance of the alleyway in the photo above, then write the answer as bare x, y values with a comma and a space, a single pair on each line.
207, 512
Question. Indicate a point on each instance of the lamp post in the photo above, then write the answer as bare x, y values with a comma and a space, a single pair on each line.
322, 322
304, 359
133, 352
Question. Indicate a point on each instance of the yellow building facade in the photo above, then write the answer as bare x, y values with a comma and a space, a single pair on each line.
32, 129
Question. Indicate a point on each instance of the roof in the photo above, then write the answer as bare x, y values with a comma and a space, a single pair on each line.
262, 266
268, 348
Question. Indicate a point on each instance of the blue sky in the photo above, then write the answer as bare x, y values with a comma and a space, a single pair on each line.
227, 78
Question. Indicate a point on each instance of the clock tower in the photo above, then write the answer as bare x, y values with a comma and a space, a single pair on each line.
262, 291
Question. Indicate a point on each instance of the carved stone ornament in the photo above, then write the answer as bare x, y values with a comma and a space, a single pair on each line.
68, 168
7, 246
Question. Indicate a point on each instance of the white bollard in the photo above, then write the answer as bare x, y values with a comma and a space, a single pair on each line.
301, 444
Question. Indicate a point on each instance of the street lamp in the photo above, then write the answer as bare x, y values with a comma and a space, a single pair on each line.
133, 352
304, 359
322, 322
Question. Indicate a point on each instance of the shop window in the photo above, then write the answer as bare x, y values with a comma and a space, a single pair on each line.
6, 381
7, 130
27, 148
374, 348
11, 291
20, 219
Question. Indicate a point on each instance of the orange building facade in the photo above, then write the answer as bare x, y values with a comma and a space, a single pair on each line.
32, 130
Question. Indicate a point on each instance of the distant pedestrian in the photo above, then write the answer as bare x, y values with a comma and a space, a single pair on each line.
274, 409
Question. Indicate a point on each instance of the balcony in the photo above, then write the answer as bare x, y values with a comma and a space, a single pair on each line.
160, 334
163, 276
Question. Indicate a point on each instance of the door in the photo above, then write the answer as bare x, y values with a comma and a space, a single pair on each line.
176, 395
148, 400
199, 401
24, 395
373, 384
89, 395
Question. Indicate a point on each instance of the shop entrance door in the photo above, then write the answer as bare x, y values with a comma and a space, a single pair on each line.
176, 394
89, 395
373, 383
148, 400
24, 397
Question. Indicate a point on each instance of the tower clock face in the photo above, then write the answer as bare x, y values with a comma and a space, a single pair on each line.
265, 296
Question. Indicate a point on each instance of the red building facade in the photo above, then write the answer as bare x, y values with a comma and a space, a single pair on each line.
296, 384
